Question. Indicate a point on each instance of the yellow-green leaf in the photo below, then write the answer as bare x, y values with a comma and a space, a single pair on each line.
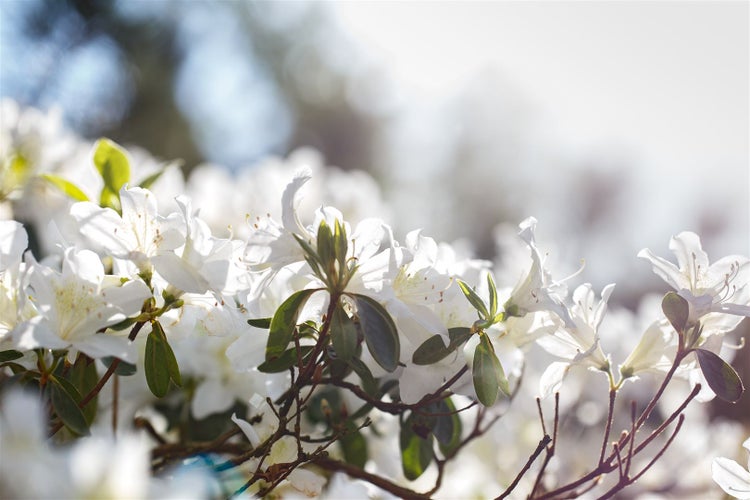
67, 187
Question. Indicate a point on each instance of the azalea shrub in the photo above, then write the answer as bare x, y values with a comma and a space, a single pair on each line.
218, 337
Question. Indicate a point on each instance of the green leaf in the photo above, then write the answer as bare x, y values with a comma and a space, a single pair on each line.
343, 334
326, 246
365, 376
84, 377
493, 296
721, 377
474, 299
149, 181
487, 372
160, 363
112, 163
264, 323
124, 369
416, 452
65, 398
287, 360
341, 243
67, 187
431, 351
10, 355
448, 426
354, 447
379, 331
676, 309
284, 321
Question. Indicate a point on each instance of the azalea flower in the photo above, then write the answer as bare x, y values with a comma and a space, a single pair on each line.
579, 345
137, 235
731, 476
73, 306
536, 291
720, 287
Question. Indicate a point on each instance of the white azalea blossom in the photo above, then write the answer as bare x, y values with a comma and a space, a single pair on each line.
720, 287
75, 304
733, 478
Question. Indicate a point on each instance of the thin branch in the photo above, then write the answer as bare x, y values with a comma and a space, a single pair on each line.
540, 447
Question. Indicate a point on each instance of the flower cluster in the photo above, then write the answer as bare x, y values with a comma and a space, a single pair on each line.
235, 341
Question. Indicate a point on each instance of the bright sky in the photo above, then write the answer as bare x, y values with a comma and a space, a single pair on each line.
665, 83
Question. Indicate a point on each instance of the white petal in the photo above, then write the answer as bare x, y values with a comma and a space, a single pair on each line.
690, 255
13, 241
552, 378
179, 273
102, 344
666, 270
210, 397
104, 228
290, 201
247, 429
732, 478
36, 333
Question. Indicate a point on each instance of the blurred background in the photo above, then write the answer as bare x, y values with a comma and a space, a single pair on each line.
616, 124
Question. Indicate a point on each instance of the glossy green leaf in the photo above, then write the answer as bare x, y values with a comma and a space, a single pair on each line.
354, 447
721, 377
676, 309
284, 321
343, 334
379, 331
10, 355
416, 452
474, 299
264, 323
488, 374
112, 163
287, 360
172, 367
65, 398
68, 188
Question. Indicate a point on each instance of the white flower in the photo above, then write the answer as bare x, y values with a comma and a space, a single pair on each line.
76, 304
536, 291
136, 235
731, 476
578, 345
720, 287
654, 352
13, 242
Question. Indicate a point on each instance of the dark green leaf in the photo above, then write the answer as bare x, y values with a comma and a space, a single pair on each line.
448, 426
264, 323
112, 163
281, 330
416, 452
68, 188
431, 351
379, 331
123, 369
721, 377
474, 299
459, 335
287, 360
343, 334
676, 309
365, 375
10, 355
84, 377
487, 372
160, 363
354, 447
65, 400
